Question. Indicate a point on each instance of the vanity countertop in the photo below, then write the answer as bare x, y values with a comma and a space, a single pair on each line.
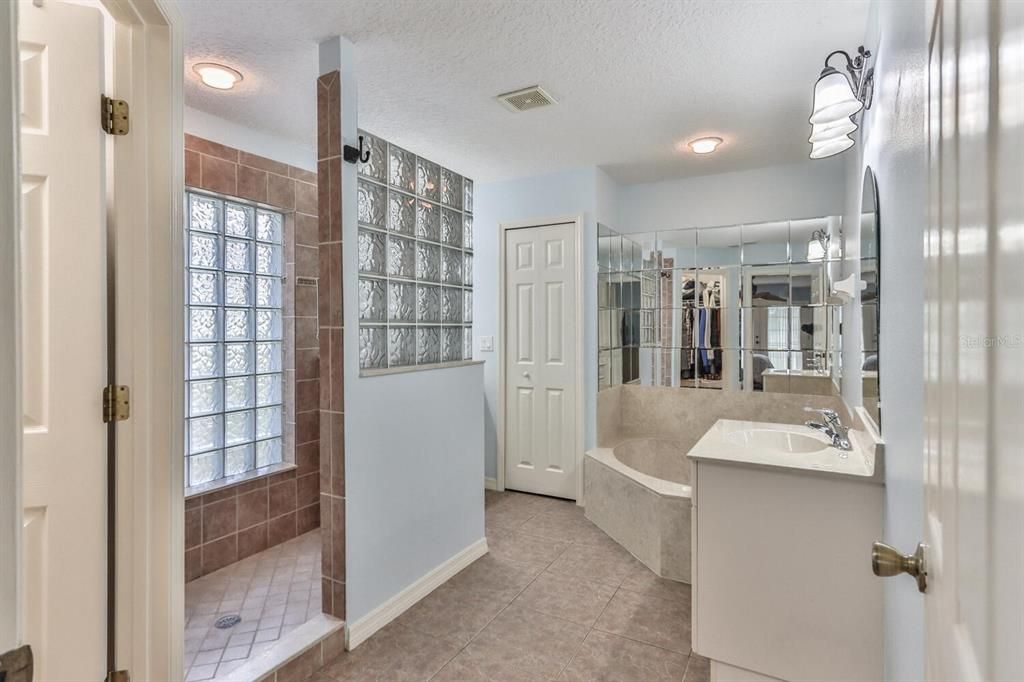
727, 441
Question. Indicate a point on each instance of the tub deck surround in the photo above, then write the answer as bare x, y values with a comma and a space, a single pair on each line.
686, 414
730, 441
639, 494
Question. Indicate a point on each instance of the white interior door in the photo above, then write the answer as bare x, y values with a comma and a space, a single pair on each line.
974, 340
540, 360
64, 339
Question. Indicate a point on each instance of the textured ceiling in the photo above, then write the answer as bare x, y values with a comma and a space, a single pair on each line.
634, 79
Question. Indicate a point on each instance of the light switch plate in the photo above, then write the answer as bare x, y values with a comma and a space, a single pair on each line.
486, 344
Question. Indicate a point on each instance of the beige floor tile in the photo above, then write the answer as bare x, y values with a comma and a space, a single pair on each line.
567, 525
568, 597
520, 644
644, 580
510, 544
452, 613
698, 669
499, 579
394, 654
647, 619
508, 514
610, 658
551, 526
609, 564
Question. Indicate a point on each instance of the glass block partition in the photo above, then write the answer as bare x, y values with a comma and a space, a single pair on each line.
233, 353
740, 307
415, 260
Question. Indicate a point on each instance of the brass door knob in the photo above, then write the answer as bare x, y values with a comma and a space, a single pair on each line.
888, 561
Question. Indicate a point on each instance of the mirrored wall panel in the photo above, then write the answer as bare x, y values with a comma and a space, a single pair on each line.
739, 307
869, 296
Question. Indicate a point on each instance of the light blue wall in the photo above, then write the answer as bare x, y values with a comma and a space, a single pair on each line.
583, 191
413, 441
807, 189
777, 193
893, 143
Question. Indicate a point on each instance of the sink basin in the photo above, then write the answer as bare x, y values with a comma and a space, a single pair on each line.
770, 439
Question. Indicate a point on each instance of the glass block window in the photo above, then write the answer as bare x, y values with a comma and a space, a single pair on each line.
233, 351
415, 260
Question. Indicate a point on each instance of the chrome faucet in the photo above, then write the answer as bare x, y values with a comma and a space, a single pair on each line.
833, 428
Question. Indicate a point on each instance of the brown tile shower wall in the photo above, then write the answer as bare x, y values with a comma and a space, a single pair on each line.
332, 372
226, 525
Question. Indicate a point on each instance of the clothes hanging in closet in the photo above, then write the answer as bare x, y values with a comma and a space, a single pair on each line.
707, 340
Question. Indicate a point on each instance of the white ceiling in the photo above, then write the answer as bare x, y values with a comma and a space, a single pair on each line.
633, 78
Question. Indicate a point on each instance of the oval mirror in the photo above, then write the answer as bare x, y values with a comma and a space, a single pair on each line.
870, 259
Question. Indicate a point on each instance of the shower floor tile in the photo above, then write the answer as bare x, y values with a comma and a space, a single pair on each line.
273, 593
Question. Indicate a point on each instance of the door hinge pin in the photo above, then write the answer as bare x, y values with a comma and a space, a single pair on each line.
116, 404
114, 115
118, 676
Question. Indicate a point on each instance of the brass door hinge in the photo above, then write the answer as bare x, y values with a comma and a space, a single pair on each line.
114, 115
118, 676
116, 404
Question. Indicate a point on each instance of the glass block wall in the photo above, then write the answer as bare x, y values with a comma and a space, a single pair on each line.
233, 360
415, 260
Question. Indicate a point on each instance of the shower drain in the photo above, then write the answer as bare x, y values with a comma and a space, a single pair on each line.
225, 622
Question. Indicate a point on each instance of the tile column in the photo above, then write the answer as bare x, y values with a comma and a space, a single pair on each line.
332, 373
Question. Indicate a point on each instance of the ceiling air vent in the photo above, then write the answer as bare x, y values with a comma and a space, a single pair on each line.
527, 98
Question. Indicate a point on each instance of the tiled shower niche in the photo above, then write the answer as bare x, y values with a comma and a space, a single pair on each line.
740, 307
415, 260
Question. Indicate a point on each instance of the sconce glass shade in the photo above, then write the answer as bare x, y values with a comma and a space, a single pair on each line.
834, 99
823, 132
822, 150
817, 246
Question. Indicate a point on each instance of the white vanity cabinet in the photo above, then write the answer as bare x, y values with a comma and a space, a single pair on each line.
782, 581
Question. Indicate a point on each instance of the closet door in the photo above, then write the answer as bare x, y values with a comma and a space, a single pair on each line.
540, 360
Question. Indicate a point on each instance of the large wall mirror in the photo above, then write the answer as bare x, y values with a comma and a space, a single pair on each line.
870, 260
738, 307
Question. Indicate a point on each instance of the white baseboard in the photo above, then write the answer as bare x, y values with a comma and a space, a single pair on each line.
361, 630
490, 483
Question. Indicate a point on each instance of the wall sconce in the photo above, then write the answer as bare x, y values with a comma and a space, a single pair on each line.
836, 100
817, 245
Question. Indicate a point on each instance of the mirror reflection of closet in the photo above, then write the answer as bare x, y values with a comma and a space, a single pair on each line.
737, 308
870, 258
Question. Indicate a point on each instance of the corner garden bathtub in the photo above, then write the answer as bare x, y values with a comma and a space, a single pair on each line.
638, 492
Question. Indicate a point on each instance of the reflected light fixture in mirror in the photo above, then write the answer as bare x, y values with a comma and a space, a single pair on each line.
817, 246
704, 145
217, 76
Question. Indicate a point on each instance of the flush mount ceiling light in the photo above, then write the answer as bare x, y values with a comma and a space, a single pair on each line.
217, 76
837, 98
704, 145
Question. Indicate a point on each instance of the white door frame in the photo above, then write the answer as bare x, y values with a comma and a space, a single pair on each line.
577, 222
10, 333
145, 209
